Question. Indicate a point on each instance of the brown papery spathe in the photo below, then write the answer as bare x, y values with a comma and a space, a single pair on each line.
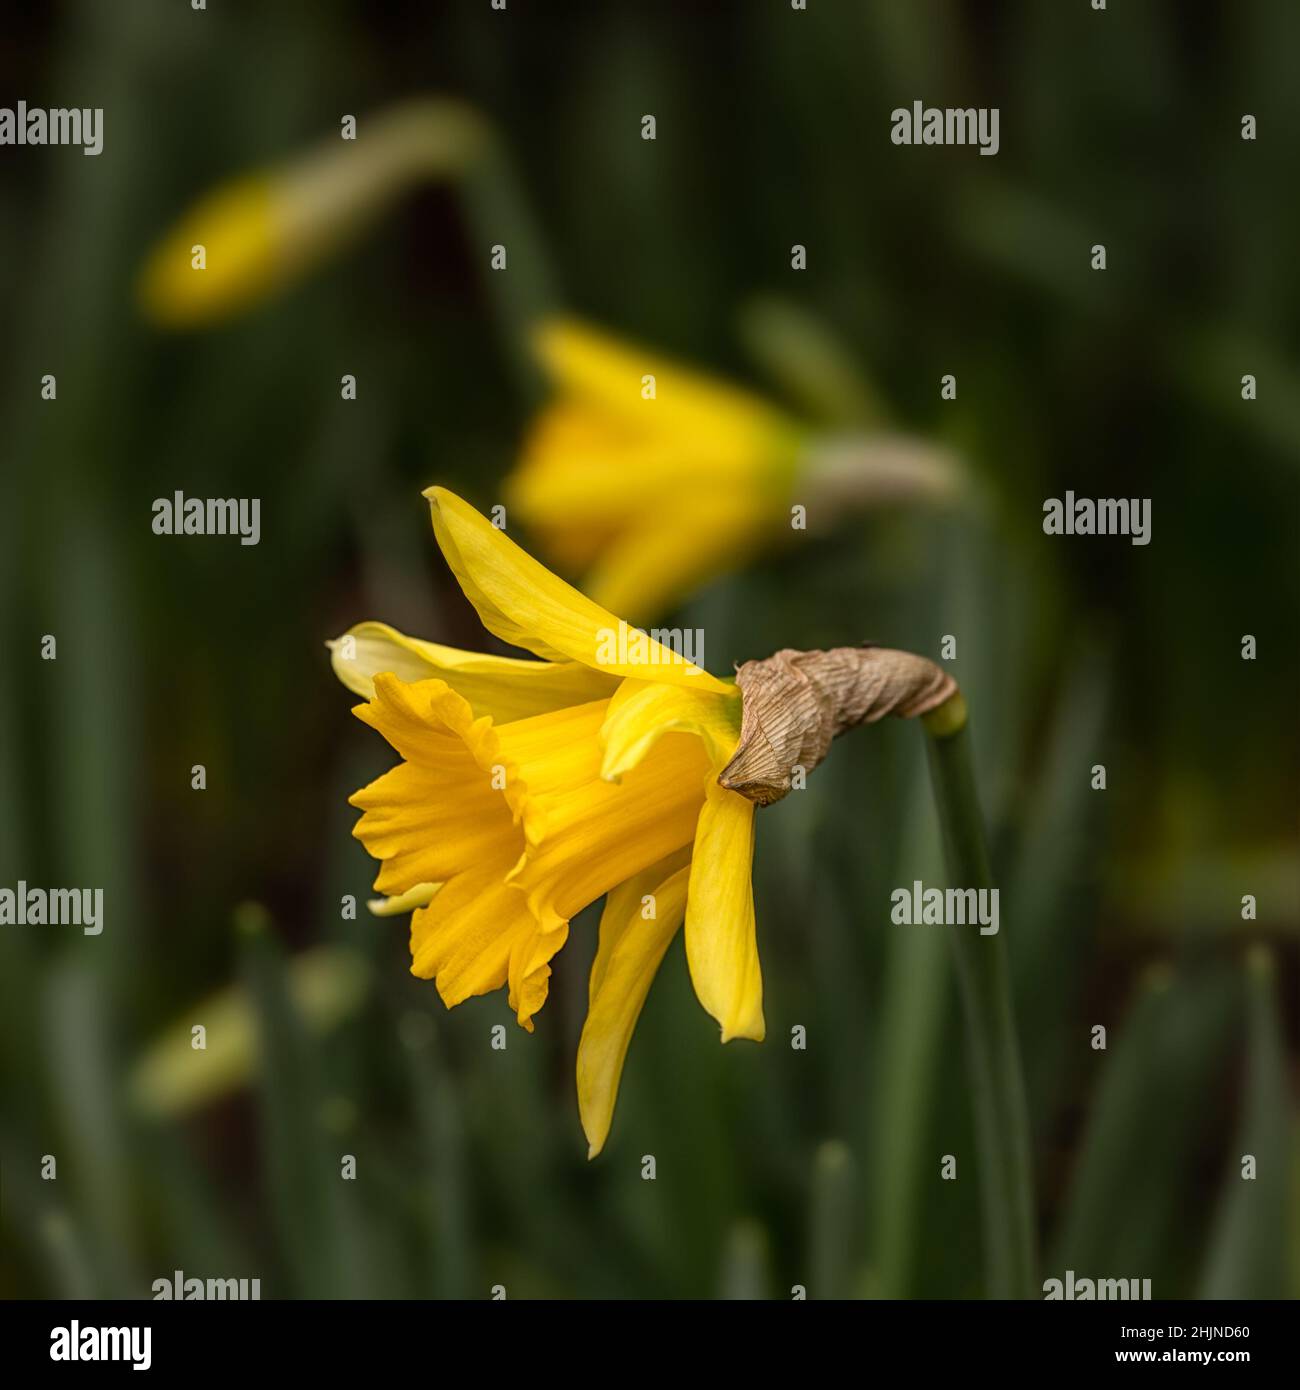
796, 702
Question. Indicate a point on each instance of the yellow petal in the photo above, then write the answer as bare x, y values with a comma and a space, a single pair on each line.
529, 970
608, 372
641, 712
600, 499
455, 801
426, 823
597, 833
580, 467
523, 603
464, 811
721, 949
593, 490
463, 939
650, 569
626, 961
566, 467
501, 686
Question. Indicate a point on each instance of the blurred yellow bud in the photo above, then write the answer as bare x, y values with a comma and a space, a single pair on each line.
256, 235
176, 1074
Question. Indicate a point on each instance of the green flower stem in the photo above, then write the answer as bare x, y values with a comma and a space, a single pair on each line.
997, 1081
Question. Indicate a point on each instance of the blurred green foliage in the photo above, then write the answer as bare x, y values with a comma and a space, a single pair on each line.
775, 1167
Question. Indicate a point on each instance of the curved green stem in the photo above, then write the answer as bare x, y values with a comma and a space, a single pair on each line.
997, 1082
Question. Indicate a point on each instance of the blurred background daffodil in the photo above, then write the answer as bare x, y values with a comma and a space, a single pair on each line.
256, 235
628, 433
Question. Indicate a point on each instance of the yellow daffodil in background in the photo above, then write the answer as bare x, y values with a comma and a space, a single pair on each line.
325, 985
605, 465
258, 234
529, 789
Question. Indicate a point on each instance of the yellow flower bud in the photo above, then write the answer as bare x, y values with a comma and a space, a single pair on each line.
256, 235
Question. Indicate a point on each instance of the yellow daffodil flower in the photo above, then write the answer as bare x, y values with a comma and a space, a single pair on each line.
529, 789
259, 233
605, 464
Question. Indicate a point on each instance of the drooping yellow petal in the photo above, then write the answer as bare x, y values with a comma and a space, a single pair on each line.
641, 712
721, 948
501, 686
529, 970
631, 948
463, 939
629, 898
522, 602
